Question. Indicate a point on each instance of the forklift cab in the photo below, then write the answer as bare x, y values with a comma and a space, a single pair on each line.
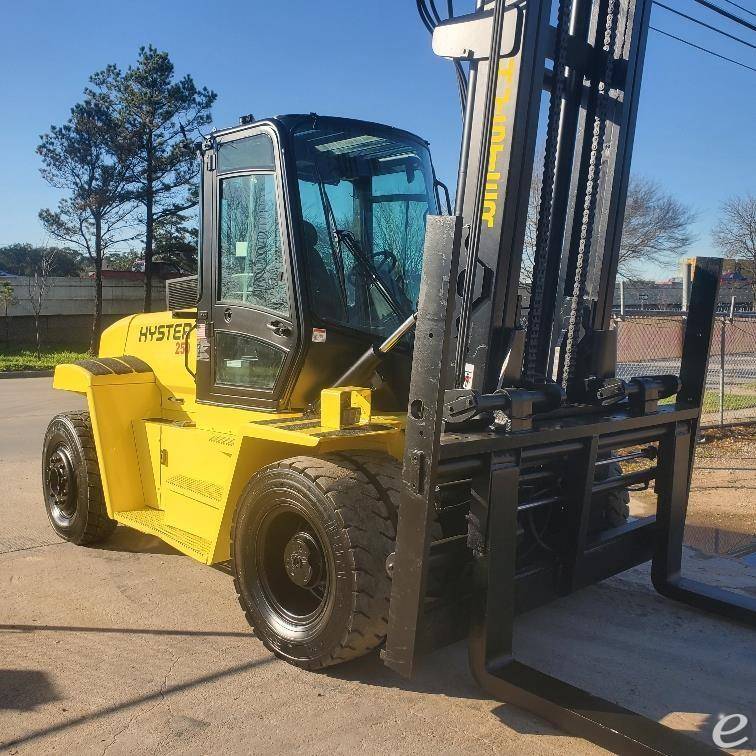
311, 249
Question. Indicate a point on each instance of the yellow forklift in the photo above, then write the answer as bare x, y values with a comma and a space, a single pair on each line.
353, 403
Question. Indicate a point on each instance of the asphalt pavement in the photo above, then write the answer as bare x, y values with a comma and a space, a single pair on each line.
133, 648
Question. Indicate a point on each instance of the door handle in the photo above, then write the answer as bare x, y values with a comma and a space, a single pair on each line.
279, 328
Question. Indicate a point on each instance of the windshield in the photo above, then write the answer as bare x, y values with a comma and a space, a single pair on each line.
364, 200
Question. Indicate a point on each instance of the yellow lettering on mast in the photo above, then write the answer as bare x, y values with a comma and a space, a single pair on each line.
499, 134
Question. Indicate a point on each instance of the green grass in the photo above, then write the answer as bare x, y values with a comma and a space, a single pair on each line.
731, 401
24, 357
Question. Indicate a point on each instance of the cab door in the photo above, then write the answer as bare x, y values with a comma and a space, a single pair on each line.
247, 332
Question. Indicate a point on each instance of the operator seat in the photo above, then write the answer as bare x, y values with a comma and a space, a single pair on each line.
324, 290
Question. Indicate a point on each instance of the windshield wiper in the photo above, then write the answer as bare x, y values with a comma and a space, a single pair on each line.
369, 268
339, 236
333, 233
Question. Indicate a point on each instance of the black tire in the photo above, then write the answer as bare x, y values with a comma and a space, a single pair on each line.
336, 516
71, 482
613, 508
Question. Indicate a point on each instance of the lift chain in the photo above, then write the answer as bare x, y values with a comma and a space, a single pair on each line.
543, 229
590, 198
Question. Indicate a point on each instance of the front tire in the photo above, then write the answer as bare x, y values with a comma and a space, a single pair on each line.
71, 482
309, 545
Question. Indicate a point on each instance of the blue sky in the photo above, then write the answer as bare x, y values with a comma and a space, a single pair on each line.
369, 60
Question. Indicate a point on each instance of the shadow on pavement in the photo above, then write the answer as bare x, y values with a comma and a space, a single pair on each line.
25, 689
444, 673
130, 541
157, 695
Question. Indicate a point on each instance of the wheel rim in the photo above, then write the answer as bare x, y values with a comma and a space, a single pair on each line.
60, 486
294, 569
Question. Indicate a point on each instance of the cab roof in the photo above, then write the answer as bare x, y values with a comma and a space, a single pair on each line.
290, 121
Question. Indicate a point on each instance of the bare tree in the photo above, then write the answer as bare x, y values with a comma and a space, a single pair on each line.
399, 228
38, 283
8, 299
735, 233
656, 229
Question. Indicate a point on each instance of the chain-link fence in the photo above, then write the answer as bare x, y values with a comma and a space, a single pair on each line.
652, 345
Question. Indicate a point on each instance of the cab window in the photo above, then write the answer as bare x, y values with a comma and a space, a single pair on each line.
251, 270
364, 199
247, 362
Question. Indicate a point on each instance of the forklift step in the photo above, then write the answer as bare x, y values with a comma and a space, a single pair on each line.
152, 521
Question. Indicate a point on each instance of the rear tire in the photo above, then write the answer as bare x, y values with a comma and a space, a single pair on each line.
71, 482
309, 544
613, 508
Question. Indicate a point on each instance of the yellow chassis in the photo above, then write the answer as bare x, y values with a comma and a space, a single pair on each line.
175, 468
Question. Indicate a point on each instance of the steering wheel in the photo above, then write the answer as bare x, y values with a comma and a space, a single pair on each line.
385, 256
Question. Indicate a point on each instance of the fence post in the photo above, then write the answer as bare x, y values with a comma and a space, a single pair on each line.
687, 268
722, 344
622, 297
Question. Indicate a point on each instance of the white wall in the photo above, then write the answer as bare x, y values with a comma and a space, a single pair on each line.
75, 296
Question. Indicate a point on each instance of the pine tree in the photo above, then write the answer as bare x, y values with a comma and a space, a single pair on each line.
88, 157
157, 111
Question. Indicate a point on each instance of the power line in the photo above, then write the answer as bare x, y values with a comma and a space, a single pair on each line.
431, 18
741, 7
703, 49
704, 24
436, 14
726, 14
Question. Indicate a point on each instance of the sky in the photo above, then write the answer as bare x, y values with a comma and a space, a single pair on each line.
371, 60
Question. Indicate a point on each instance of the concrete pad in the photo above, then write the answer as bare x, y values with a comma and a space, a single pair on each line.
132, 648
